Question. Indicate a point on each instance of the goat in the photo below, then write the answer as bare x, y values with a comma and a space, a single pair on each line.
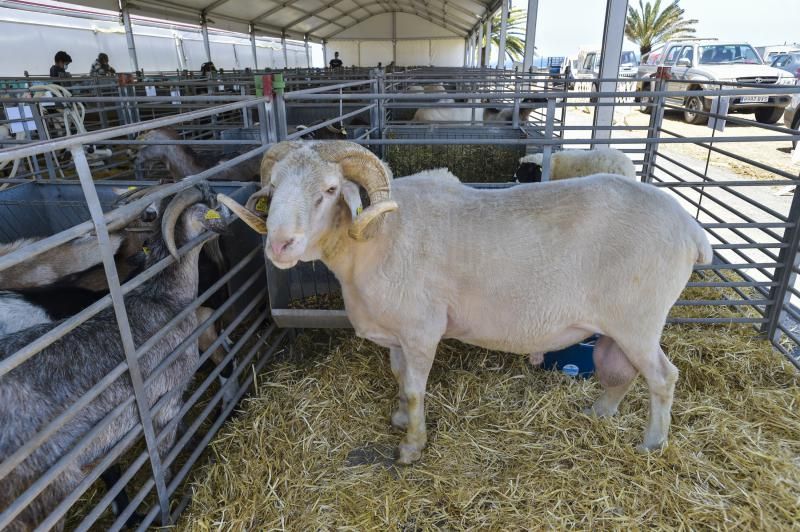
431, 258
30, 396
46, 268
182, 160
43, 299
575, 163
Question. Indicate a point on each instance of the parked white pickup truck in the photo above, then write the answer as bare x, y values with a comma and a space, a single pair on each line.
694, 61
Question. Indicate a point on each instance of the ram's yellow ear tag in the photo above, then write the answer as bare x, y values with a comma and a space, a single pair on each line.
132, 188
358, 210
145, 250
262, 205
211, 214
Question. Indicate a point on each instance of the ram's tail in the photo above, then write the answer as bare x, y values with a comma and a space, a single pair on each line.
704, 252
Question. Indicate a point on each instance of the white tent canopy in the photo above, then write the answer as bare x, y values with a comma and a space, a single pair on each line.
319, 20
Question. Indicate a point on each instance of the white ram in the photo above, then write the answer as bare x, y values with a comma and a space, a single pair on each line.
526, 269
575, 163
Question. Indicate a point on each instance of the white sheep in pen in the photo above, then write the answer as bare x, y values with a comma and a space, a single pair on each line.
525, 269
575, 163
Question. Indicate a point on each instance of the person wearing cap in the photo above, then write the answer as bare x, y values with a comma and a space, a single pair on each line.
59, 68
101, 68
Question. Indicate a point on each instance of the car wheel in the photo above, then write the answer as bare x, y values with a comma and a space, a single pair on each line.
595, 89
769, 115
694, 105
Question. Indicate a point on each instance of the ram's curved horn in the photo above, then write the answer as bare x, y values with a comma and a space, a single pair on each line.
273, 155
255, 222
362, 167
176, 206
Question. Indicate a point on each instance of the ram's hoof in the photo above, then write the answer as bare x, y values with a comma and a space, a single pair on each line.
599, 411
645, 448
408, 454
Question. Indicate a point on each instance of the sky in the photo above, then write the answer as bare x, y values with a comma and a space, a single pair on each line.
763, 22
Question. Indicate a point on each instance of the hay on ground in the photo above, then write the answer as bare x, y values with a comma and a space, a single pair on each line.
508, 447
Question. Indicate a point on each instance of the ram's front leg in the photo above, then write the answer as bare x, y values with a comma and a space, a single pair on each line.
399, 416
417, 366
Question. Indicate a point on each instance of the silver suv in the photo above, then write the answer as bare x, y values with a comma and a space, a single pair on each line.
694, 61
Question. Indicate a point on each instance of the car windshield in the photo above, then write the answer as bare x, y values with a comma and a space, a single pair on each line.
719, 54
627, 58
782, 60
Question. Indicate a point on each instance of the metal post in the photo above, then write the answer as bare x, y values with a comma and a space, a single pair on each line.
616, 11
278, 85
325, 53
480, 44
530, 35
548, 134
466, 49
394, 37
308, 52
204, 32
253, 46
126, 21
501, 53
134, 371
653, 129
285, 53
488, 60
789, 260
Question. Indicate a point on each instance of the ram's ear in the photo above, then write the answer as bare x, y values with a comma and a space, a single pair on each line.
352, 197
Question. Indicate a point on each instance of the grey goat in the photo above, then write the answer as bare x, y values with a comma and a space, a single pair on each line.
43, 387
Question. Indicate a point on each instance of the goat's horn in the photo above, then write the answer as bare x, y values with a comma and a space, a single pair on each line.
362, 167
179, 203
273, 155
257, 223
125, 221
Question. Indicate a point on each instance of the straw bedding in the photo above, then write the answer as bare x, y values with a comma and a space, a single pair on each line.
508, 447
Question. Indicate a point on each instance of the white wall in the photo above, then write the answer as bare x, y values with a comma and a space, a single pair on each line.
419, 42
411, 52
42, 35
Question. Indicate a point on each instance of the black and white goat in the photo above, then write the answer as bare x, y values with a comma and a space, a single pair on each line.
30, 396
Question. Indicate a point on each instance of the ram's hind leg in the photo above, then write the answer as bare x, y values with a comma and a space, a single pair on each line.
615, 373
661, 376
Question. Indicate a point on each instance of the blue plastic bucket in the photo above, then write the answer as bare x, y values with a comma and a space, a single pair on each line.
575, 360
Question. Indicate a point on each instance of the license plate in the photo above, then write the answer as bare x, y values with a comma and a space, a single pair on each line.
755, 99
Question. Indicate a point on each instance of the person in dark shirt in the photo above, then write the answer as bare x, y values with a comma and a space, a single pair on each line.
207, 68
335, 62
59, 69
101, 68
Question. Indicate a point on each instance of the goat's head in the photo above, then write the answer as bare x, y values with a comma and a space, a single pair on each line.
311, 184
193, 205
148, 154
187, 215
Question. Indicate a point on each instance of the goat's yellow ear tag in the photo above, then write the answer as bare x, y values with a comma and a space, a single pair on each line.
211, 214
358, 210
262, 205
132, 188
145, 250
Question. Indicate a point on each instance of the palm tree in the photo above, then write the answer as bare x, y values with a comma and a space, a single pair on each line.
515, 35
649, 25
